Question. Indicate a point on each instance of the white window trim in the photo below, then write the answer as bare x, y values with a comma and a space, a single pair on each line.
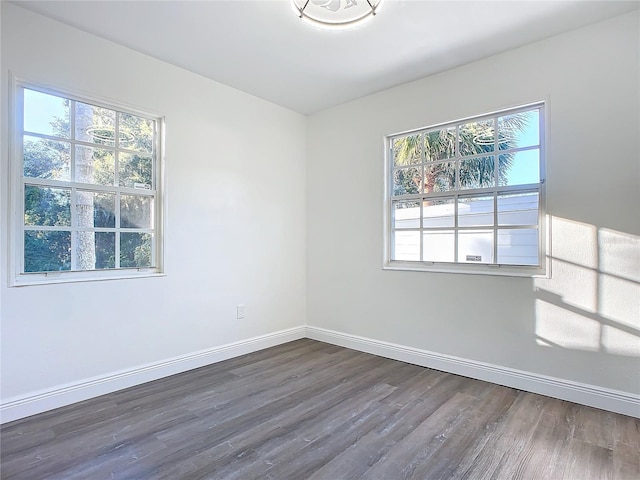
543, 270
15, 219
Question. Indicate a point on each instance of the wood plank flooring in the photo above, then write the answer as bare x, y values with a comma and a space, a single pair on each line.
309, 410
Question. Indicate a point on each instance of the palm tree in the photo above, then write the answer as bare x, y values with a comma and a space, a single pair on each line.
439, 146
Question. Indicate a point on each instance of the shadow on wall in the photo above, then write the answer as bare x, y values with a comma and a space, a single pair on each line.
592, 301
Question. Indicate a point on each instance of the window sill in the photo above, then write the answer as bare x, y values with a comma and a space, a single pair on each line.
29, 279
469, 269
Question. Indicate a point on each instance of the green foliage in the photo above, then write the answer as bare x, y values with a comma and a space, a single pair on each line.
136, 133
407, 181
47, 251
46, 206
105, 250
135, 250
45, 159
135, 170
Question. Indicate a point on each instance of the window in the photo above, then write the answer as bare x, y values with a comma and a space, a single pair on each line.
468, 196
86, 190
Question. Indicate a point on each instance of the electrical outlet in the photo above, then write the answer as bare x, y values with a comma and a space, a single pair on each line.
240, 311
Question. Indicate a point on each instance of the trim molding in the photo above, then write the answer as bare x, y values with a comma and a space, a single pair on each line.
584, 394
41, 401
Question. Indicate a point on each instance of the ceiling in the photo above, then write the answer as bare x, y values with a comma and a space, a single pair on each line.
262, 48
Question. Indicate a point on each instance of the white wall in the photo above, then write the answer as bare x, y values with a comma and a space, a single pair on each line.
237, 231
236, 220
583, 324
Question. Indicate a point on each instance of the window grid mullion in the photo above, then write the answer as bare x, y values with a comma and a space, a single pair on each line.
46, 182
423, 157
73, 226
65, 228
496, 158
390, 209
509, 189
116, 155
495, 228
421, 231
496, 182
456, 239
118, 230
154, 155
455, 228
84, 143
456, 158
71, 140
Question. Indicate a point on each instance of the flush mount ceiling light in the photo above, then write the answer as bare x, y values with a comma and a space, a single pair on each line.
336, 13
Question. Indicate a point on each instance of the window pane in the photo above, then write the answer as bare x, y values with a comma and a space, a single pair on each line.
95, 124
104, 213
47, 206
475, 246
105, 250
46, 114
440, 177
477, 173
46, 158
440, 144
135, 171
519, 130
95, 209
406, 181
135, 250
475, 211
439, 246
95, 165
476, 137
407, 150
438, 213
136, 211
95, 250
406, 245
406, 214
518, 246
47, 251
520, 168
518, 209
136, 133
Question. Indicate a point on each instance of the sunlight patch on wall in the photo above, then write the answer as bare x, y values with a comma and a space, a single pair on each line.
592, 300
619, 342
619, 254
571, 284
574, 242
562, 328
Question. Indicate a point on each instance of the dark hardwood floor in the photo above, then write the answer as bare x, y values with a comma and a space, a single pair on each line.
309, 410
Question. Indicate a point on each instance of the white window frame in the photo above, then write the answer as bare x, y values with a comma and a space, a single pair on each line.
541, 270
17, 276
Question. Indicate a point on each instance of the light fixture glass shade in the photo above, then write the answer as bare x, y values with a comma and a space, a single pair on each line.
336, 13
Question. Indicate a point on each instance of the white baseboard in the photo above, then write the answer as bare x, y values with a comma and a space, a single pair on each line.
42, 401
584, 394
